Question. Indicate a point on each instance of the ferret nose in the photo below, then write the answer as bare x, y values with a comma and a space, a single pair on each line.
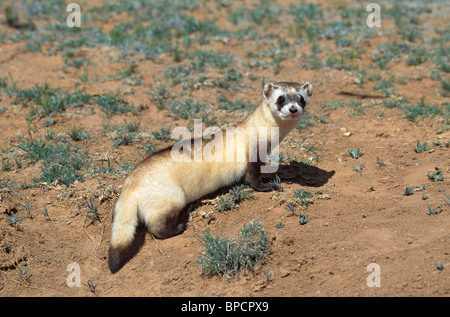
293, 109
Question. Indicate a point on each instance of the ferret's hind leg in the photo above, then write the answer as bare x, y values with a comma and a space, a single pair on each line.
166, 218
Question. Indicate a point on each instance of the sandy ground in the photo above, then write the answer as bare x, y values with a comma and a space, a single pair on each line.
354, 219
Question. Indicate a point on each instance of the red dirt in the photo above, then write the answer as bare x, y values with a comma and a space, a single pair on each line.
357, 220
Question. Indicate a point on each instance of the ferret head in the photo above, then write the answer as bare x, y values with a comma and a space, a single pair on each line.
288, 100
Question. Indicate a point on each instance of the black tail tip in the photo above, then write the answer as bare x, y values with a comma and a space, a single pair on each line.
115, 259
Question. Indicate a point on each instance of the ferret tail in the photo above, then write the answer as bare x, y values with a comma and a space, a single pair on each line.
123, 231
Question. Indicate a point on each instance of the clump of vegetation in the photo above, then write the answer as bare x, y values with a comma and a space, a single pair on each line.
291, 208
419, 148
230, 80
304, 218
408, 191
237, 194
418, 56
238, 104
27, 208
446, 199
302, 193
6, 182
439, 266
44, 101
304, 196
421, 110
78, 134
436, 177
234, 256
164, 133
111, 104
14, 220
92, 214
380, 162
160, 95
359, 168
46, 215
355, 153
60, 162
434, 211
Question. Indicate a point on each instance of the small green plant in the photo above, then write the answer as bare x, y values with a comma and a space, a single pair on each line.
92, 214
132, 127
45, 213
6, 182
160, 95
236, 194
24, 185
124, 139
380, 162
436, 177
24, 275
305, 197
439, 266
226, 202
164, 134
27, 208
386, 87
14, 220
304, 218
447, 201
433, 211
408, 191
6, 247
111, 104
290, 207
322, 119
359, 168
5, 164
233, 256
267, 275
238, 104
355, 153
275, 183
419, 148
230, 80
418, 56
395, 102
445, 87
60, 162
421, 110
44, 101
279, 225
149, 149
185, 109
302, 193
104, 169
77, 134
355, 108
241, 192
90, 285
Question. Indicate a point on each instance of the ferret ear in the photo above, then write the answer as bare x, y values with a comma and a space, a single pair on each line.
308, 88
268, 90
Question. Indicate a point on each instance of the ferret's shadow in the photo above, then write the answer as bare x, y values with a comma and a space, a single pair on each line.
302, 174
296, 172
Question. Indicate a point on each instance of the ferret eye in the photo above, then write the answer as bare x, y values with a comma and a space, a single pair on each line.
280, 100
301, 101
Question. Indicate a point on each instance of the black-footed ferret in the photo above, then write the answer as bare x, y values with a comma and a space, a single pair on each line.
158, 189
